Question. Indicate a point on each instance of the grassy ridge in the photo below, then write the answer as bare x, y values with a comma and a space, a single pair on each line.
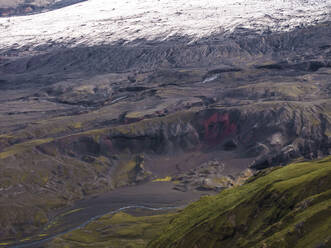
288, 207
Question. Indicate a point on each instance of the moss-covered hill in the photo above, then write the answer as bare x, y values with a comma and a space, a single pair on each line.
288, 207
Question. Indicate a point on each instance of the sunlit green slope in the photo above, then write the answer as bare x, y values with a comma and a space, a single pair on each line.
286, 207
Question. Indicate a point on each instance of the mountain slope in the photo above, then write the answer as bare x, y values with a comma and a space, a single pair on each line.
71, 119
110, 93
288, 207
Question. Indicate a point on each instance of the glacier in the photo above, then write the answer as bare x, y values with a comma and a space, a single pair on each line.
99, 22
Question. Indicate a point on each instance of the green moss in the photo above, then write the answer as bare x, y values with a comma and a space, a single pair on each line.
116, 230
77, 125
6, 136
135, 115
165, 179
103, 159
224, 181
280, 89
24, 240
286, 207
143, 125
71, 212
23, 147
41, 218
